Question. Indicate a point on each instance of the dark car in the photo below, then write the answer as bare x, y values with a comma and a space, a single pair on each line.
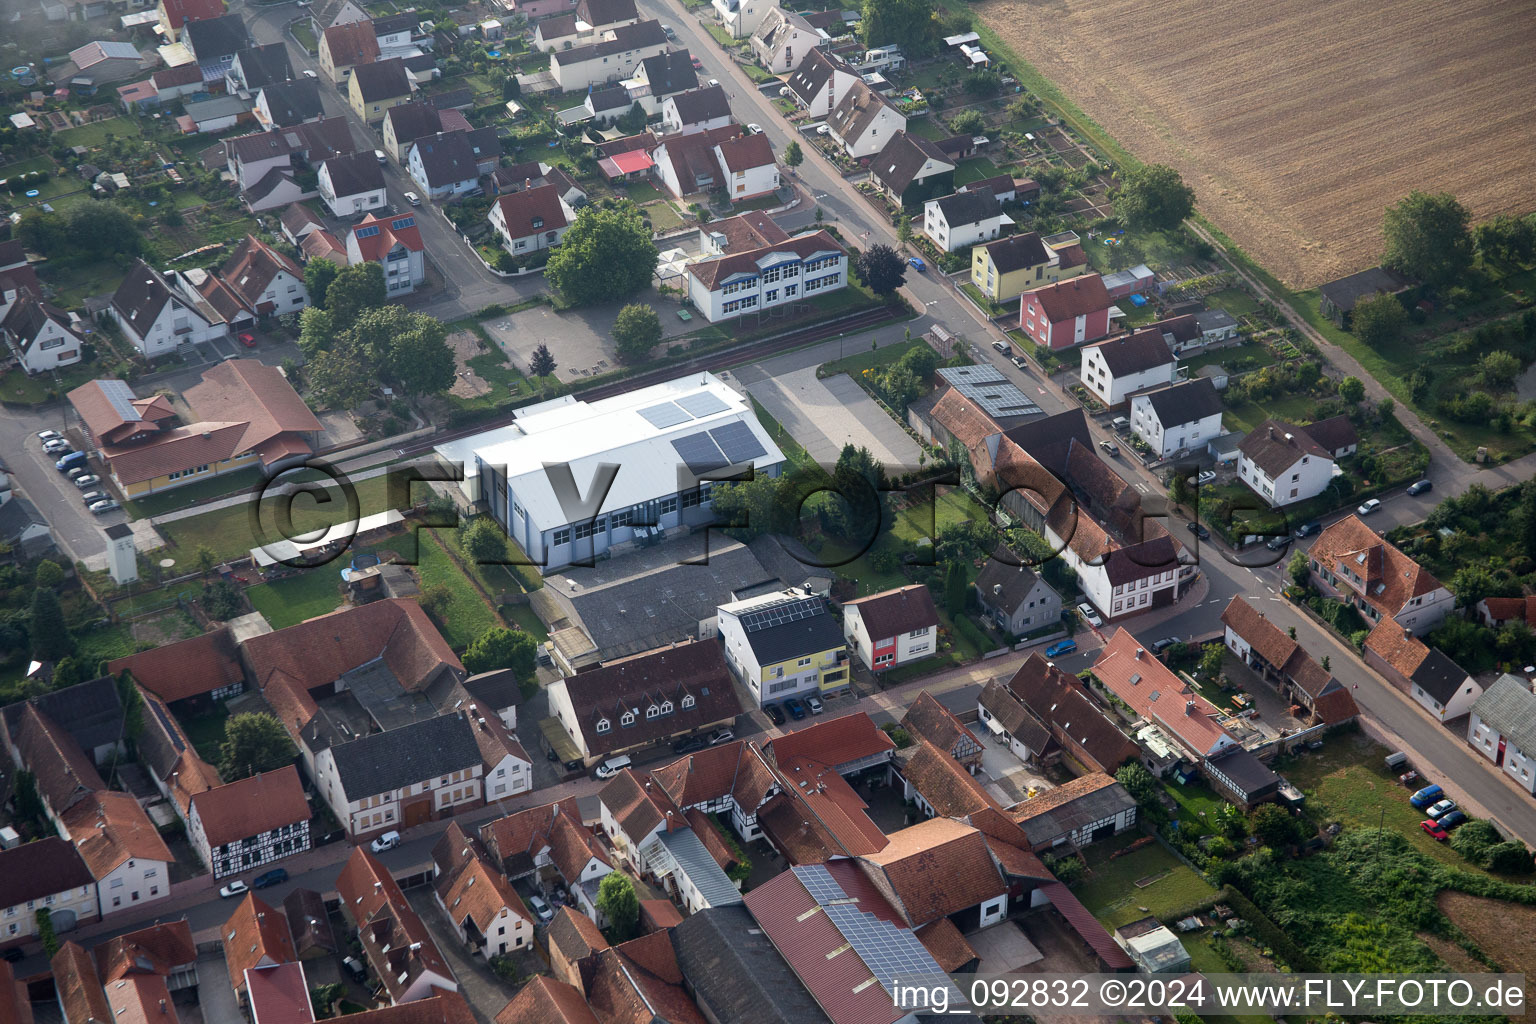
356, 969
1159, 646
1420, 487
688, 744
1453, 819
795, 708
1308, 529
1199, 530
1426, 796
1278, 543
775, 714
277, 876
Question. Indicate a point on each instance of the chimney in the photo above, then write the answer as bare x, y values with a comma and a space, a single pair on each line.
1140, 651
1407, 631
378, 886
1189, 707
1289, 438
162, 1006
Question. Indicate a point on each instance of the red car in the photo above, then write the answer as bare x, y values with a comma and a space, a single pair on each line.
1435, 830
697, 64
248, 340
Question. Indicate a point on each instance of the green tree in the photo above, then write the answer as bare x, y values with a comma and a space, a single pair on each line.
1210, 660
1352, 390
45, 625
906, 22
1506, 239
45, 931
1299, 568
617, 901
543, 362
435, 600
983, 84
1273, 826
1428, 238
500, 647
955, 589
102, 228
318, 275
29, 805
1498, 369
485, 542
794, 156
354, 289
882, 269
1179, 490
637, 331
904, 230
1378, 320
48, 575
968, 122
204, 558
339, 377
317, 328
408, 348
1138, 782
606, 254
1511, 858
254, 741
1154, 197
69, 671
1474, 839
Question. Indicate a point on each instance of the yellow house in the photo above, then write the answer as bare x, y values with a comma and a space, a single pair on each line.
784, 644
344, 47
377, 87
1007, 268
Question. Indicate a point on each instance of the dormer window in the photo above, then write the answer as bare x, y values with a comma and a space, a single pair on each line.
666, 707
652, 711
687, 701
627, 718
603, 725
538, 222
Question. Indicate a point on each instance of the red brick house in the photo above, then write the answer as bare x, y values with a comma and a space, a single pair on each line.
1066, 313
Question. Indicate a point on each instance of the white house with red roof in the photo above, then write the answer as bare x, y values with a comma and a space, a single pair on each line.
782, 273
394, 243
265, 281
530, 220
748, 167
893, 628
250, 822
1066, 313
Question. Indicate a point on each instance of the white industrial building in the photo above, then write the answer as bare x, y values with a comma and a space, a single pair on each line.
569, 480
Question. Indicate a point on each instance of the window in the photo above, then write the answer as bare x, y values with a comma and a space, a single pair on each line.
687, 701
772, 296
666, 707
538, 222
627, 718
667, 506
585, 530
561, 536
804, 662
652, 711
603, 725
917, 633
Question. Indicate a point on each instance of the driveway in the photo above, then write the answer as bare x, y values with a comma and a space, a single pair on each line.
75, 528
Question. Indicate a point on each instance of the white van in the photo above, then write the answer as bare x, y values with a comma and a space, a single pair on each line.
387, 841
611, 767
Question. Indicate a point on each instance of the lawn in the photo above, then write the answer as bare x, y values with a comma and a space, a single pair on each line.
928, 519
73, 285
206, 731
18, 388
304, 595
524, 618
641, 192
974, 169
467, 616
1197, 806
97, 132
1292, 409
875, 357
305, 35
1111, 894
663, 216
1236, 301
1247, 356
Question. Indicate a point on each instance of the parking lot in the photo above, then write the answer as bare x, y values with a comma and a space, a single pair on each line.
825, 415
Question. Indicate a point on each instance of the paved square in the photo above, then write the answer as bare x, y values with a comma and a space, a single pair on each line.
581, 341
825, 415
1003, 948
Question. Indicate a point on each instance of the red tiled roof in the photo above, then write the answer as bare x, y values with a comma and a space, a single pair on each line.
949, 789
516, 837
574, 934
572, 846
253, 934
834, 741
158, 949
701, 777
895, 612
937, 724
351, 43
15, 1008
249, 390
64, 774
936, 868
173, 450
78, 986
110, 827
660, 914
638, 982
1072, 298
106, 423
395, 939
946, 945
1155, 693
745, 152
375, 247
546, 1001
640, 806
252, 806
1350, 542
817, 815
279, 995
179, 12
520, 210
251, 269
713, 272
187, 668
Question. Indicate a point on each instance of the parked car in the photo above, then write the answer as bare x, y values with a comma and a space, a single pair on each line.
1308, 529
277, 876
689, 744
755, 129
88, 480
49, 435
235, 888
540, 909
248, 340
784, 91
92, 496
917, 264
1370, 506
1441, 809
714, 82
1061, 647
814, 703
667, 31
1435, 829
388, 841
104, 506
1020, 362
58, 446
378, 155
308, 73
1199, 530
413, 198
356, 969
822, 129
611, 767
1003, 347
720, 736
775, 714
1088, 612
1110, 447
69, 459
1159, 646
1420, 487
1452, 820
1278, 543
795, 708
696, 65
1426, 796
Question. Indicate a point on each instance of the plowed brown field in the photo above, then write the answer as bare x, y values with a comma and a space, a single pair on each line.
1299, 121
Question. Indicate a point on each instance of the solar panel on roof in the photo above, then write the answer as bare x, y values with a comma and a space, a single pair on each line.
368, 232
699, 452
667, 414
818, 881
890, 952
120, 395
702, 404
402, 223
738, 442
790, 610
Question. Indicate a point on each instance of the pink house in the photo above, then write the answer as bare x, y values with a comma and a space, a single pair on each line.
1066, 313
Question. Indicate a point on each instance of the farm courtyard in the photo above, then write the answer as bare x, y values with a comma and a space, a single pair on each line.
1298, 123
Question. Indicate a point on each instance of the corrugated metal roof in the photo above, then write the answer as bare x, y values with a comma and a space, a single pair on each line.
702, 870
1087, 926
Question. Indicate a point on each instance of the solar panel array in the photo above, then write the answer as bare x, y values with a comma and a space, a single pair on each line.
998, 400
700, 452
791, 609
368, 232
120, 395
402, 223
702, 404
667, 414
738, 442
818, 881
